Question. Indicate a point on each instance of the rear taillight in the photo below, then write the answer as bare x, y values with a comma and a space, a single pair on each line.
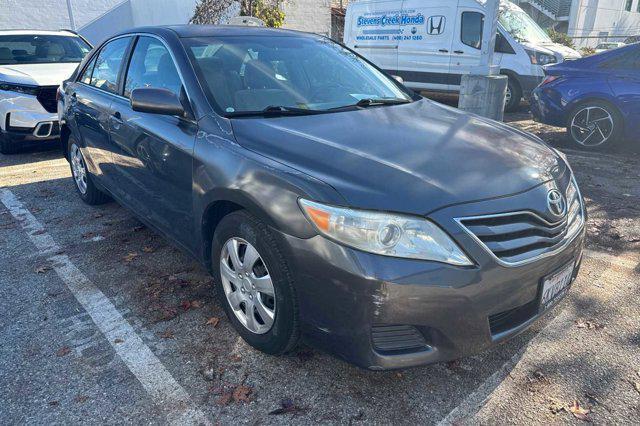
549, 79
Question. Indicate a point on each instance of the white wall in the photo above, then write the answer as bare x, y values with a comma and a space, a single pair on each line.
592, 17
162, 12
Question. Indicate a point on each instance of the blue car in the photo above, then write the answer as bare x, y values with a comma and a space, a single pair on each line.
596, 98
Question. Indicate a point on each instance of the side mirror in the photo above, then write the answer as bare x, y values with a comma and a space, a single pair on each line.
398, 79
156, 101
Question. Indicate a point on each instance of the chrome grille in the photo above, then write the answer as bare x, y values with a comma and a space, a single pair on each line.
521, 237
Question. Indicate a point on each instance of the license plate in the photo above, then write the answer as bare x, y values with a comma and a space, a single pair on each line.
556, 285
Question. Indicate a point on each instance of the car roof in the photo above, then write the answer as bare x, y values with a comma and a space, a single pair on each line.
38, 32
191, 30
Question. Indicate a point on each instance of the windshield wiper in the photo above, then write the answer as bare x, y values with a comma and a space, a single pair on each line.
368, 102
275, 110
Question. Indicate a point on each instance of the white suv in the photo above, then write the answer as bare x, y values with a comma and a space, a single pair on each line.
32, 66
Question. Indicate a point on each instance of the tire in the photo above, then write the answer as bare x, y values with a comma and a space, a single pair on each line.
82, 179
595, 125
283, 333
514, 95
7, 147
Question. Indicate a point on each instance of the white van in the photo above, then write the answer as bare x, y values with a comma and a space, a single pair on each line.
431, 44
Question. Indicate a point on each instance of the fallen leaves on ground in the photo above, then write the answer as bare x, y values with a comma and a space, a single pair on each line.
191, 304
286, 406
130, 257
588, 324
148, 249
242, 393
455, 364
118, 341
167, 334
81, 398
214, 321
579, 412
63, 351
42, 269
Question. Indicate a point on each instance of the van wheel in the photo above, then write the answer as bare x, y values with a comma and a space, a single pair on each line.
82, 179
254, 284
513, 95
6, 146
595, 125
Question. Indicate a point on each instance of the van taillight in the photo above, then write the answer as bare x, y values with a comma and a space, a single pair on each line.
548, 79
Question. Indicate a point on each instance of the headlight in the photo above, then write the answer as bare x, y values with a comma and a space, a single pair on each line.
385, 234
19, 88
539, 58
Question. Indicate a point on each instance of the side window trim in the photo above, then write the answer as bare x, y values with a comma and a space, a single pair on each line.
462, 28
90, 63
97, 55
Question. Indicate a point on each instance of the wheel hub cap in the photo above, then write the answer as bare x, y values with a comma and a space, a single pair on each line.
78, 169
247, 285
592, 126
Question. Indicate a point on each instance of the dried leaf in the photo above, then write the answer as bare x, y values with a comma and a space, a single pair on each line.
186, 305
579, 412
167, 334
42, 269
130, 257
118, 341
241, 393
148, 249
97, 215
214, 321
636, 385
556, 406
225, 399
63, 351
196, 304
590, 325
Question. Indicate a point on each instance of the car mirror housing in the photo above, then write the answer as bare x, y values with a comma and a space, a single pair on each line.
156, 101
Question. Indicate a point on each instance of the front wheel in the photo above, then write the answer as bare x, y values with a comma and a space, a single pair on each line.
82, 179
594, 125
254, 284
513, 97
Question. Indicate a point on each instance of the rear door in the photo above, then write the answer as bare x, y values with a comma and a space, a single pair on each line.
467, 42
424, 52
152, 153
374, 28
90, 103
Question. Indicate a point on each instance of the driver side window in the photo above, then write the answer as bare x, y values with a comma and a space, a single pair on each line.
152, 66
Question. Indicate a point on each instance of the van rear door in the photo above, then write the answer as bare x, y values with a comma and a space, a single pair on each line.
424, 52
373, 30
467, 41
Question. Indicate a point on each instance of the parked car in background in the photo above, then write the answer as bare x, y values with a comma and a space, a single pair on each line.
431, 44
632, 39
596, 98
603, 47
32, 66
327, 200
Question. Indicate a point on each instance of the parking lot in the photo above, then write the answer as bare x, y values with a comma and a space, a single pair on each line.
102, 321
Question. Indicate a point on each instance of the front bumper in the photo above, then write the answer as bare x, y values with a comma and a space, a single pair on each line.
24, 119
353, 304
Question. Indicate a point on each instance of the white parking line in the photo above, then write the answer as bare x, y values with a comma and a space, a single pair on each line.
474, 402
163, 389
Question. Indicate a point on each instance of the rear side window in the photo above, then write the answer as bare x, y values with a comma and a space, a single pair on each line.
107, 66
86, 75
471, 32
152, 66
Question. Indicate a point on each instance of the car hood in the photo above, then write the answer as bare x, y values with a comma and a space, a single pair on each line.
37, 74
412, 158
565, 52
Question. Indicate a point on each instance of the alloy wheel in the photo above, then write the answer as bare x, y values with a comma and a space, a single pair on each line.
507, 96
592, 126
248, 285
78, 168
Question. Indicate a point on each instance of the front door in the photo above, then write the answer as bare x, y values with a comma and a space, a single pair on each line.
467, 43
624, 79
90, 103
424, 52
152, 152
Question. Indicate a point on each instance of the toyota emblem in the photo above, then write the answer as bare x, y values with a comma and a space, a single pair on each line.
556, 203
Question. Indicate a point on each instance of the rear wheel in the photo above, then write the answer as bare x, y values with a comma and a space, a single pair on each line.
595, 125
254, 284
82, 179
513, 96
7, 146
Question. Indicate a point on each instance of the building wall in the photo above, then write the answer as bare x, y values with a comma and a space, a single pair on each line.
308, 15
600, 18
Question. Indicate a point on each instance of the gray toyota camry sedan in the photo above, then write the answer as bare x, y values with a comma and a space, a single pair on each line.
330, 203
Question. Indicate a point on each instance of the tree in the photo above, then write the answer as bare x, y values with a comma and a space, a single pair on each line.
560, 38
269, 11
212, 11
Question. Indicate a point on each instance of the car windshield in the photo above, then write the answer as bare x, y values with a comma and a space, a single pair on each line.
41, 49
282, 74
522, 27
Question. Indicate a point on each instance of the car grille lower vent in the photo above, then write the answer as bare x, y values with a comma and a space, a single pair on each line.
520, 237
47, 98
397, 338
507, 320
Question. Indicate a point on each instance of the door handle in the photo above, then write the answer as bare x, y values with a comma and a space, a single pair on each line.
117, 115
459, 52
443, 51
